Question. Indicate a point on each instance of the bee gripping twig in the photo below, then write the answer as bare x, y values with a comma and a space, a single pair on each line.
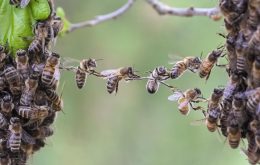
102, 18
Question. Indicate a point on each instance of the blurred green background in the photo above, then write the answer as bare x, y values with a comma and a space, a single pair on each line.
134, 127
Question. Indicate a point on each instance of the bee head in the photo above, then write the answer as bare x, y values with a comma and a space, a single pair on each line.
21, 52
54, 58
14, 121
7, 98
91, 63
218, 91
198, 91
35, 75
161, 70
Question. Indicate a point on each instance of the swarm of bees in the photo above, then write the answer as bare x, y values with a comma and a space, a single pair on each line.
29, 100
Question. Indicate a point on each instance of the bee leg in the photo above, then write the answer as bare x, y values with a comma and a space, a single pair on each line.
221, 65
117, 84
196, 108
208, 75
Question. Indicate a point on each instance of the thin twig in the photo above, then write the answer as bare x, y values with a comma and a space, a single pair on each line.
164, 9
102, 18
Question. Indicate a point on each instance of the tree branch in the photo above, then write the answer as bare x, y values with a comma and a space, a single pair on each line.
102, 18
163, 9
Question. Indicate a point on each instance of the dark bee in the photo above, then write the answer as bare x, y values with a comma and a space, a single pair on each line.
212, 119
253, 100
208, 63
233, 131
35, 46
31, 85
7, 104
113, 77
15, 138
240, 52
42, 132
22, 64
157, 75
215, 98
49, 69
225, 110
34, 112
188, 63
56, 100
13, 79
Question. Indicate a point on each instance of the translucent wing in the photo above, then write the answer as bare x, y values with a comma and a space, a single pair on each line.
27, 138
24, 3
68, 61
175, 96
108, 73
174, 58
183, 104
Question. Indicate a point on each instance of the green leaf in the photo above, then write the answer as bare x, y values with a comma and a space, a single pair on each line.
16, 27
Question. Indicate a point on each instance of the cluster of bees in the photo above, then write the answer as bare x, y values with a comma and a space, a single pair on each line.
29, 101
28, 84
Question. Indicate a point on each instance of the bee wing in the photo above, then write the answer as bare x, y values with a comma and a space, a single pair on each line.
108, 73
68, 61
24, 3
27, 138
174, 58
175, 96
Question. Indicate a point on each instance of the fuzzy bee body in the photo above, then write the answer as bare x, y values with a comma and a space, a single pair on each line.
212, 119
57, 102
13, 79
35, 112
15, 138
7, 104
22, 63
190, 63
158, 74
81, 77
31, 85
49, 69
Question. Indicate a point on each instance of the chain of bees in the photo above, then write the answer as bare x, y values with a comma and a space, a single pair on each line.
29, 98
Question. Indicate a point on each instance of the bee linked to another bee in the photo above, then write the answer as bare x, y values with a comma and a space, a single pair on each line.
185, 100
114, 76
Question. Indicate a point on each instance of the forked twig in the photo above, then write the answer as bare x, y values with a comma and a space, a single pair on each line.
102, 18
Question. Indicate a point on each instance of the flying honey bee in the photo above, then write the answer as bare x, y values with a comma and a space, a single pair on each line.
158, 74
22, 64
15, 138
188, 63
31, 85
49, 69
186, 99
20, 3
7, 104
208, 63
113, 77
13, 79
57, 102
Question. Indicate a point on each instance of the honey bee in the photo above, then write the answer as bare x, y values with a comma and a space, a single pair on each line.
7, 104
208, 63
233, 131
239, 108
225, 110
22, 63
34, 112
31, 85
188, 63
85, 68
49, 69
186, 99
157, 75
215, 98
35, 46
3, 121
253, 100
20, 3
49, 119
57, 102
212, 118
3, 56
57, 25
15, 138
115, 75
13, 79
240, 52
42, 132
